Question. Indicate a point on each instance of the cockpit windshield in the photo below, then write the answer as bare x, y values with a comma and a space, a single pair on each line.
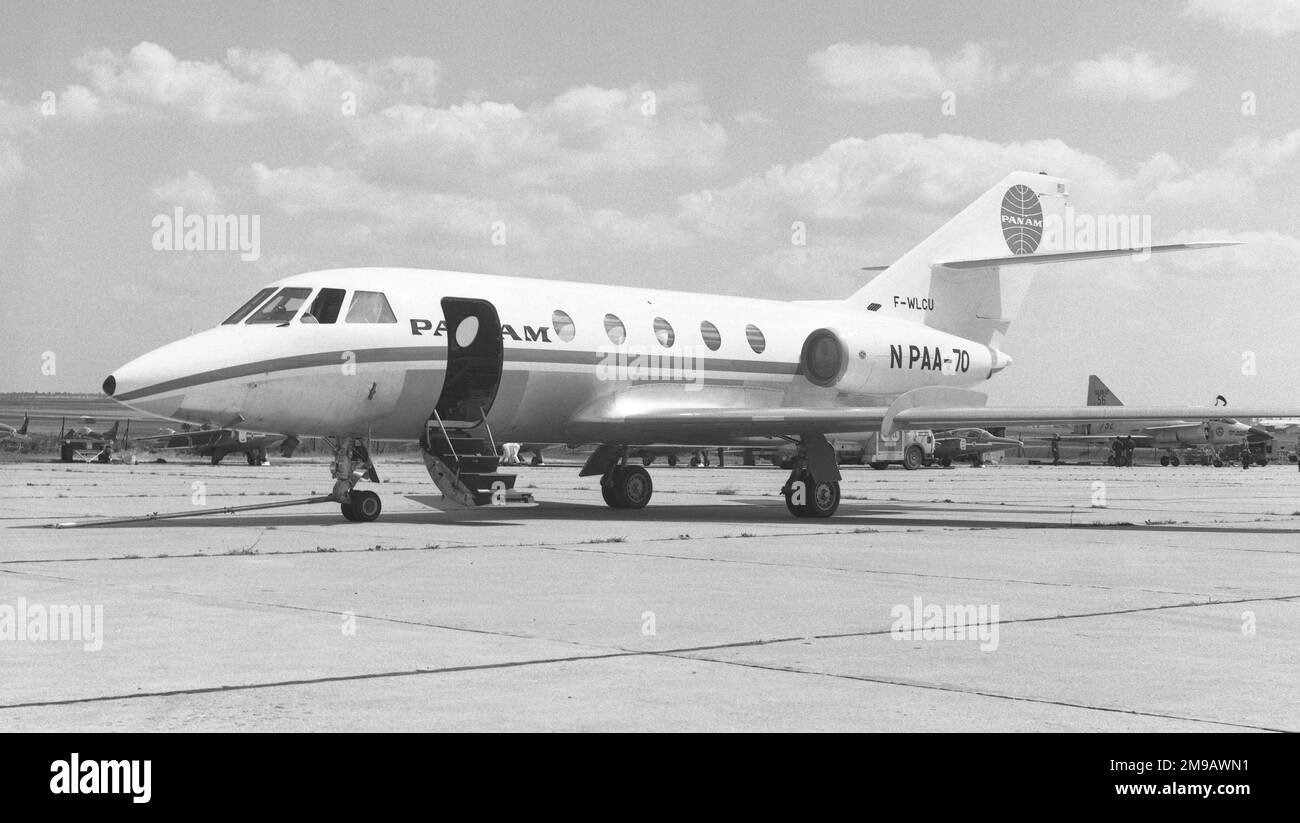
248, 307
282, 307
370, 307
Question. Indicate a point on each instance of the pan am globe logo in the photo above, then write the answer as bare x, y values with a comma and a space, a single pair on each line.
1022, 219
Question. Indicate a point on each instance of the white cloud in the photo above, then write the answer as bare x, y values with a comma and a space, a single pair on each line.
1280, 155
368, 212
583, 132
874, 73
904, 184
1136, 76
1273, 17
248, 85
192, 191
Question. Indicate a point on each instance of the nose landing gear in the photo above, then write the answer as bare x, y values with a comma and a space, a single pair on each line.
350, 466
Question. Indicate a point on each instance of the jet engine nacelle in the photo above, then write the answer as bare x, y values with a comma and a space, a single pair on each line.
889, 360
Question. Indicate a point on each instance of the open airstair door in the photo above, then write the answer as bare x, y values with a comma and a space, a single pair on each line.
462, 461
474, 358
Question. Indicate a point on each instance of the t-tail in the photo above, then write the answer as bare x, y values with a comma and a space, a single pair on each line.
969, 277
22, 430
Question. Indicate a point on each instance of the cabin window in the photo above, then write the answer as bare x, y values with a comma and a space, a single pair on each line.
615, 329
712, 338
563, 325
325, 308
282, 307
664, 332
370, 307
248, 307
756, 340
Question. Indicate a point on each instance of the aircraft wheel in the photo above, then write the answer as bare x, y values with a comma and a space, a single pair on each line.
880, 465
365, 506
819, 499
1164, 460
537, 459
672, 460
647, 459
1174, 461
945, 462
348, 514
913, 457
631, 488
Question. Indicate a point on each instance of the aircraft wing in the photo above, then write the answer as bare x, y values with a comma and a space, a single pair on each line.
608, 422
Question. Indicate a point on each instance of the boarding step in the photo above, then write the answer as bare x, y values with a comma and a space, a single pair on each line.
474, 487
480, 482
455, 444
470, 465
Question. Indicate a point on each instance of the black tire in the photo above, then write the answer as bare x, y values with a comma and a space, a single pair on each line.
346, 508
1164, 460
610, 495
1218, 464
820, 499
536, 460
672, 460
945, 462
880, 465
366, 506
633, 486
1174, 461
913, 457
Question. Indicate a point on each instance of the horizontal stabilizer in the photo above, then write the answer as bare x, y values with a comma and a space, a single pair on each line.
1067, 256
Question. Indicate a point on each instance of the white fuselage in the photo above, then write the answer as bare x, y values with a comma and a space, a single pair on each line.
380, 379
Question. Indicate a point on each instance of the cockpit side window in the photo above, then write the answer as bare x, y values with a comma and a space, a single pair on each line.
248, 307
325, 308
282, 307
370, 307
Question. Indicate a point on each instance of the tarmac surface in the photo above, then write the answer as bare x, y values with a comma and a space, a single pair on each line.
1142, 599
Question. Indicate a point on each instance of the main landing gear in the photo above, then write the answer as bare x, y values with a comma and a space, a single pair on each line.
813, 488
623, 486
350, 466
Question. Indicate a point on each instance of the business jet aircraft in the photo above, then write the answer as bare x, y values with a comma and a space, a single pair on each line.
217, 444
1169, 436
454, 359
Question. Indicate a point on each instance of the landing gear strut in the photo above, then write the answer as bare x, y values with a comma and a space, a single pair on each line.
351, 464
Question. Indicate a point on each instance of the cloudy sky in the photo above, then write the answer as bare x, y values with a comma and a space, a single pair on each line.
659, 144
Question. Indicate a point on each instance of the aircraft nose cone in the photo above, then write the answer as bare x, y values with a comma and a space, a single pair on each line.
110, 385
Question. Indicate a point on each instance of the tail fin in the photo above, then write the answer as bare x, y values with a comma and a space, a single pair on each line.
1099, 394
23, 428
976, 302
111, 434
